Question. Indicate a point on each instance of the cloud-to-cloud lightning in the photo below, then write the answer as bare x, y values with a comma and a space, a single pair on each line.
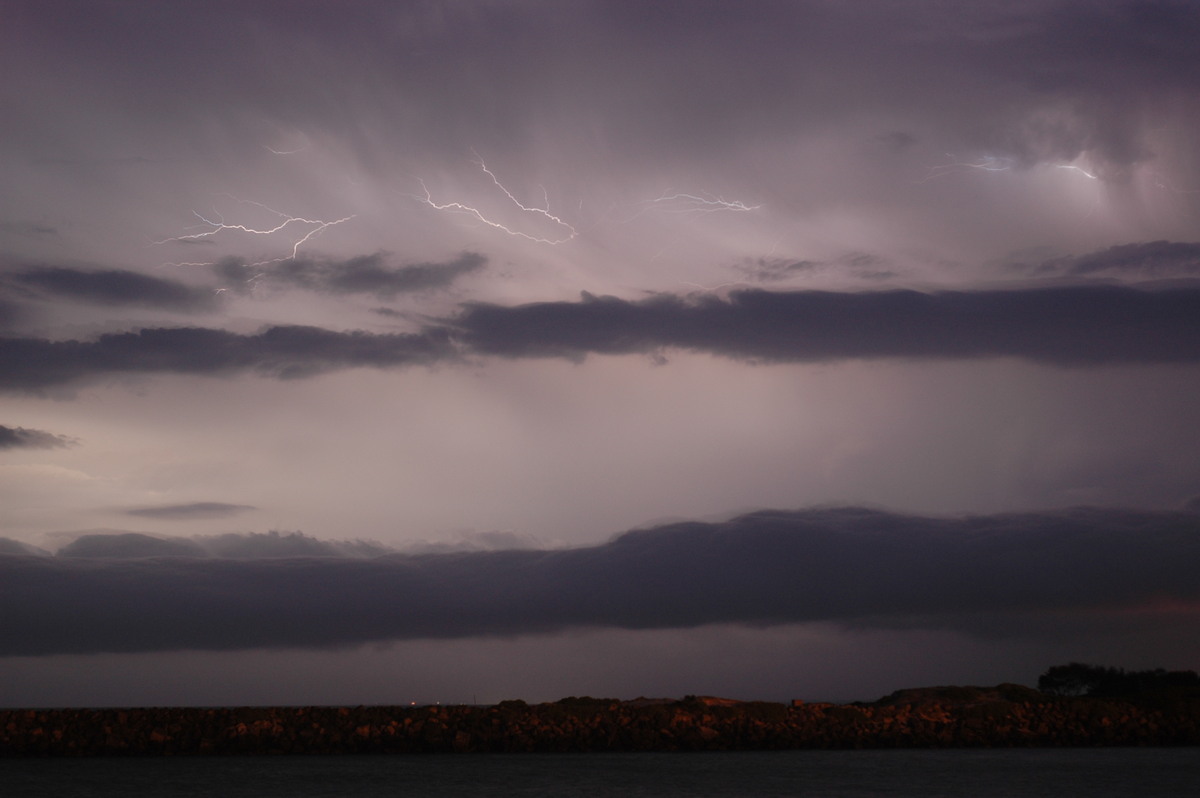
992, 163
679, 202
458, 207
314, 228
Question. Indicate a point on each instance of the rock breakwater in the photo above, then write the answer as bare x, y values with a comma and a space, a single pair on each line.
1006, 716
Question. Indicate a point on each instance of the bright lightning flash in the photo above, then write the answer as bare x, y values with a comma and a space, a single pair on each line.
458, 207
990, 163
215, 226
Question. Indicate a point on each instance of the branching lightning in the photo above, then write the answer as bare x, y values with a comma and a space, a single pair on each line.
218, 224
544, 212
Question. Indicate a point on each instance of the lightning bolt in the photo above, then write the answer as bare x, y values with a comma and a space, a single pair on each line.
991, 163
1075, 168
544, 212
693, 203
218, 225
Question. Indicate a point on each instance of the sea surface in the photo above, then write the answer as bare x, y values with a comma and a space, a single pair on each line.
1061, 773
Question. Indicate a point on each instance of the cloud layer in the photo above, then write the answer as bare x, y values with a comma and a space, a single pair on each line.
22, 438
32, 364
1007, 574
111, 545
1066, 326
366, 274
625, 245
1061, 326
111, 287
189, 512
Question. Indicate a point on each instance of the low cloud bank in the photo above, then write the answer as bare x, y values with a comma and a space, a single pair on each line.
1001, 574
1062, 326
1152, 259
34, 364
232, 545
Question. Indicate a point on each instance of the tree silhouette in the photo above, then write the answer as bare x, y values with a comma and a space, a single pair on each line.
1076, 679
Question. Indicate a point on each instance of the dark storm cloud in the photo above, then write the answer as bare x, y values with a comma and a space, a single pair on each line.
21, 438
114, 287
1030, 80
34, 364
1067, 326
189, 512
366, 274
1063, 326
982, 574
1147, 260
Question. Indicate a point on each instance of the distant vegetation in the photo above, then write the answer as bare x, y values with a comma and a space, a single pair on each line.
1077, 679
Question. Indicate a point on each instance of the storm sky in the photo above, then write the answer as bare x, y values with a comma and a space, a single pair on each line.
451, 351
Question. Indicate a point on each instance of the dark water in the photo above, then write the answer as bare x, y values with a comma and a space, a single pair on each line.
1095, 773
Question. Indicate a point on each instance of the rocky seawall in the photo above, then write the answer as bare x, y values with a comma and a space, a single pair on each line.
1005, 716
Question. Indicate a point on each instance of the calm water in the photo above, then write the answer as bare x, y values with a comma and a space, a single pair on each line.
1095, 773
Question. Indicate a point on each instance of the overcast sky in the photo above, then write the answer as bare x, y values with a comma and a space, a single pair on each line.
342, 346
